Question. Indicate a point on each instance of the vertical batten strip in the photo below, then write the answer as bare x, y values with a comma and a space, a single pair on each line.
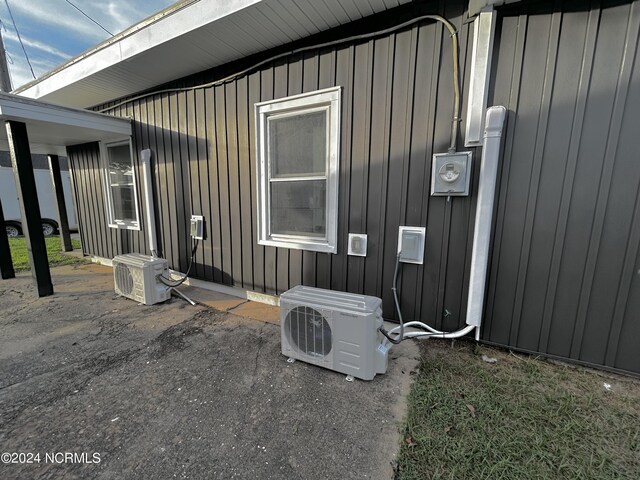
569, 176
613, 136
514, 98
538, 155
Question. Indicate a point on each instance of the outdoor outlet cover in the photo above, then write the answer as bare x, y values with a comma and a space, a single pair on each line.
411, 244
197, 227
357, 244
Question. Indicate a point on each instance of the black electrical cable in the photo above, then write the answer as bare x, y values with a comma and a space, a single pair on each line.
365, 36
171, 283
78, 8
394, 288
19, 38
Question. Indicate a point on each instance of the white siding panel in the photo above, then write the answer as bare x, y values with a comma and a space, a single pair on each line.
310, 10
301, 16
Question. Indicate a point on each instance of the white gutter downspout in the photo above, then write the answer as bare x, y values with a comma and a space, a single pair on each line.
145, 159
484, 215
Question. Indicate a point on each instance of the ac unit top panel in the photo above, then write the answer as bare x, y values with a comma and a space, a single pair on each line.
138, 260
330, 299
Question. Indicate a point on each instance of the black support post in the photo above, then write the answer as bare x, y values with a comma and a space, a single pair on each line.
63, 224
6, 264
29, 208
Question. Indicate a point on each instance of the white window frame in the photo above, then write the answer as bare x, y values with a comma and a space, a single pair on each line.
328, 100
111, 218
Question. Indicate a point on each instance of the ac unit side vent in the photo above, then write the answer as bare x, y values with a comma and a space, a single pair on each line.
135, 277
335, 330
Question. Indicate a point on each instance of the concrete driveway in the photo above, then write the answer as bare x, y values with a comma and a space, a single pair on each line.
101, 387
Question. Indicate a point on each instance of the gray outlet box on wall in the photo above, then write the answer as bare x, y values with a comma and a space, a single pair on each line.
411, 244
451, 174
197, 227
357, 244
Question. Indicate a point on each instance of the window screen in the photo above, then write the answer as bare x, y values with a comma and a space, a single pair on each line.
298, 161
120, 181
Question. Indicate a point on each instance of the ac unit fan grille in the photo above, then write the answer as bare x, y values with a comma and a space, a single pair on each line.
308, 331
124, 280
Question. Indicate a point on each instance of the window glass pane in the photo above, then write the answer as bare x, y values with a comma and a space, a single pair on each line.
123, 202
120, 169
297, 144
298, 208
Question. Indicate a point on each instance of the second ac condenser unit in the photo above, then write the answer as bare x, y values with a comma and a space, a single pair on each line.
135, 277
335, 330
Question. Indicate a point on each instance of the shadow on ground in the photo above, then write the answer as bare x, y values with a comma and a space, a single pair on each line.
174, 391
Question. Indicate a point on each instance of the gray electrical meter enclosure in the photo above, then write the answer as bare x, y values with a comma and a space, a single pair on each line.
451, 174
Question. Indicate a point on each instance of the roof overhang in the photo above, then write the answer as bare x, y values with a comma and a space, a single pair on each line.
187, 38
476, 6
51, 127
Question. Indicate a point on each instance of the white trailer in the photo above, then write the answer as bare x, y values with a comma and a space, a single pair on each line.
46, 200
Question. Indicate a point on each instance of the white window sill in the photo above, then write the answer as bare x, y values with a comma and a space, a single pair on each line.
124, 226
300, 245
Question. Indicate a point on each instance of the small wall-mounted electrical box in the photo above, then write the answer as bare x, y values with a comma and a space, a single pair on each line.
451, 174
197, 227
357, 244
411, 244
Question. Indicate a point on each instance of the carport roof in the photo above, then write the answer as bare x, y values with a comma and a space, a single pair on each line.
51, 127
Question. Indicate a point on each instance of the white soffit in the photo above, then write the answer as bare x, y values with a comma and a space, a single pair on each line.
51, 127
187, 38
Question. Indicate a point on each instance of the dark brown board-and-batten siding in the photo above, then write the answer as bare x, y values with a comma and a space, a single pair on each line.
397, 99
565, 273
564, 267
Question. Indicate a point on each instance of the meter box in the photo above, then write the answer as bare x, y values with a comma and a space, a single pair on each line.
451, 174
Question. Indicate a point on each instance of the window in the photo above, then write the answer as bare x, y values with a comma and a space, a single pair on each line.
120, 185
297, 142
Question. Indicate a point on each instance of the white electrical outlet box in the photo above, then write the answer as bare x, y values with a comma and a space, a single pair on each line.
197, 227
357, 244
451, 174
411, 244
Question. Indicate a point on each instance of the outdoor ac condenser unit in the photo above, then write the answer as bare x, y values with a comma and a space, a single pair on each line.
135, 277
335, 330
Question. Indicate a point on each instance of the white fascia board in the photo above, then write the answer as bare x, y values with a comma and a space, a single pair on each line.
38, 148
24, 111
167, 28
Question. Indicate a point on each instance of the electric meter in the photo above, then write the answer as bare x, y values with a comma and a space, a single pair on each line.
451, 174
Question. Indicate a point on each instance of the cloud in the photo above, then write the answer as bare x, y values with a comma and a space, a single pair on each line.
19, 72
60, 15
43, 47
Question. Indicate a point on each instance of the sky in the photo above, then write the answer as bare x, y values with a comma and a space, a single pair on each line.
53, 31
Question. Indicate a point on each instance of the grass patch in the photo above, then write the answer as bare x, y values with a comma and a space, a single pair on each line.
518, 418
20, 256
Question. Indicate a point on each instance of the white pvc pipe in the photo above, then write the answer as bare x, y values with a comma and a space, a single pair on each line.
484, 215
145, 158
460, 333
432, 332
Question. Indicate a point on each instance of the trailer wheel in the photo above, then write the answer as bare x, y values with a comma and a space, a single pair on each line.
12, 231
48, 228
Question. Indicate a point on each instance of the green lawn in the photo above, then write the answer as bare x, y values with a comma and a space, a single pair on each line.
20, 256
520, 418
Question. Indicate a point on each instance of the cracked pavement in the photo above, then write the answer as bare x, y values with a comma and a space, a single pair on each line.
174, 391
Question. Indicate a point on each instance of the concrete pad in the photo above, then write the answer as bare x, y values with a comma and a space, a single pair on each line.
259, 311
217, 300
174, 391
